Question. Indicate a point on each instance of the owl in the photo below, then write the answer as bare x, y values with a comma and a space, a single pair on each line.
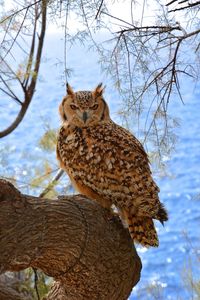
106, 163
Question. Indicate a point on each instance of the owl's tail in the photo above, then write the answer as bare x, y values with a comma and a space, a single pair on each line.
142, 230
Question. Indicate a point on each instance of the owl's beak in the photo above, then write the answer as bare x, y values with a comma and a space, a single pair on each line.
85, 116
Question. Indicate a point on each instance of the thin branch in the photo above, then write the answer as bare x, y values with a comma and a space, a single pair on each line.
18, 11
39, 49
24, 184
155, 113
11, 94
116, 18
52, 183
36, 283
6, 31
188, 35
147, 29
8, 94
65, 41
15, 38
183, 1
99, 9
171, 62
29, 92
129, 66
142, 17
185, 7
31, 54
12, 72
87, 24
171, 2
197, 48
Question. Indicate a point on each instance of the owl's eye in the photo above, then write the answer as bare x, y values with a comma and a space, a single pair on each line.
94, 107
74, 107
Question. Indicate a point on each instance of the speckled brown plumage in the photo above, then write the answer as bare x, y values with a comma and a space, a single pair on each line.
108, 164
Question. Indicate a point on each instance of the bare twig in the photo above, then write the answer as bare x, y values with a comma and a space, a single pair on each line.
36, 283
52, 183
190, 5
65, 40
18, 11
151, 29
99, 9
10, 93
116, 18
171, 2
15, 38
183, 1
31, 54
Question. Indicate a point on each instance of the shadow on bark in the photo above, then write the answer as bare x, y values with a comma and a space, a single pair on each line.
72, 239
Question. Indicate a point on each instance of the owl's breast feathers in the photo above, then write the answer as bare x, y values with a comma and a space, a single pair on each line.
108, 160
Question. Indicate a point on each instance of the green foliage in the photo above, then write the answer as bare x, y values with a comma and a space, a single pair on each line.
35, 281
44, 180
48, 140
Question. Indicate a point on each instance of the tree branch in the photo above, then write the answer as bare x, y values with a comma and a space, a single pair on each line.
171, 2
87, 251
7, 292
19, 11
52, 183
190, 5
99, 9
29, 90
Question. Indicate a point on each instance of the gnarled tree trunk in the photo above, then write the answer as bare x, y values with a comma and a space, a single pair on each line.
73, 239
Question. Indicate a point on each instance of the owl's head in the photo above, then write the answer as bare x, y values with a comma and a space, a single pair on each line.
84, 108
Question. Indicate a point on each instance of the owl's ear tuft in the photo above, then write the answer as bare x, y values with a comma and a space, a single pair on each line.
99, 90
69, 90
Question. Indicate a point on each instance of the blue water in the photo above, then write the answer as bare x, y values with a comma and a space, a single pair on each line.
164, 268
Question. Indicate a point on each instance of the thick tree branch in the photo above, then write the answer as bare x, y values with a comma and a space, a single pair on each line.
76, 241
8, 293
10, 288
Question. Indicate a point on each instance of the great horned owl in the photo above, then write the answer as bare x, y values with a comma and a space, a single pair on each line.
106, 163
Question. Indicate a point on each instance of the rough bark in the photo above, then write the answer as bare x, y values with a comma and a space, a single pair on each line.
9, 293
73, 239
10, 288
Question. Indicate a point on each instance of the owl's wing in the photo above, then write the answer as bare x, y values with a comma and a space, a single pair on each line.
127, 175
132, 160
106, 161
